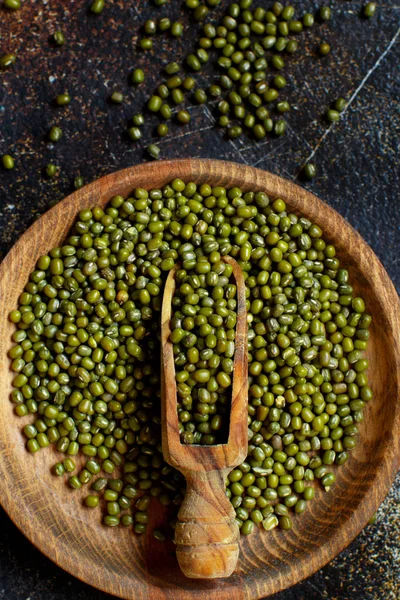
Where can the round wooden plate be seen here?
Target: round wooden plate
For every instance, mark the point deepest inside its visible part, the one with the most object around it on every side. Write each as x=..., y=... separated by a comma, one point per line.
x=140, y=568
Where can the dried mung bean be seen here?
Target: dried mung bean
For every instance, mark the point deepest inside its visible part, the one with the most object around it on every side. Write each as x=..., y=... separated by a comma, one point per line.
x=91, y=377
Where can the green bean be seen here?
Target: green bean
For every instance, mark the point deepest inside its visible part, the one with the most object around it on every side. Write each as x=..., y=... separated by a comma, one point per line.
x=117, y=97
x=138, y=120
x=8, y=162
x=58, y=38
x=324, y=48
x=97, y=6
x=138, y=76
x=154, y=104
x=369, y=9
x=12, y=4
x=340, y=104
x=164, y=24
x=7, y=60
x=325, y=13
x=111, y=521
x=79, y=182
x=55, y=134
x=92, y=501
x=134, y=133
x=154, y=151
x=176, y=29
x=51, y=170
x=183, y=117
x=162, y=130
x=200, y=96
x=145, y=43
x=309, y=171
x=63, y=99
x=280, y=127
x=308, y=20
x=332, y=115
x=150, y=27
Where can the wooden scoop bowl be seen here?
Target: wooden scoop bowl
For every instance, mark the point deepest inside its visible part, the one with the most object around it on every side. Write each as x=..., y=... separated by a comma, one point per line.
x=138, y=567
x=206, y=535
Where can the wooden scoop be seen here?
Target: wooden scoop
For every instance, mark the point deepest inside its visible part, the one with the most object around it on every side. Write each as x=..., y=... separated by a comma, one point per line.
x=206, y=535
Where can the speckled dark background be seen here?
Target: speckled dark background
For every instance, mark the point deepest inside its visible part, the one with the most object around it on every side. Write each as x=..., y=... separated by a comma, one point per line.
x=358, y=174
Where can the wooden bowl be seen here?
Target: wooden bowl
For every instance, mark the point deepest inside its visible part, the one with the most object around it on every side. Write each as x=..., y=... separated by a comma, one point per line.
x=140, y=568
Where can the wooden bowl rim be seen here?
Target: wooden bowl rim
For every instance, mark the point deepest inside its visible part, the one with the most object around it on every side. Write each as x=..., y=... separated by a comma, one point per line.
x=311, y=206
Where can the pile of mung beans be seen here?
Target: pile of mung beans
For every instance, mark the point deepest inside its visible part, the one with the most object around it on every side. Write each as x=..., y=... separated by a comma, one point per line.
x=203, y=337
x=248, y=49
x=87, y=348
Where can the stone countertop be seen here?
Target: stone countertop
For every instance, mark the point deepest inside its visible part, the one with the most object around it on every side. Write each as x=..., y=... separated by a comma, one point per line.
x=358, y=174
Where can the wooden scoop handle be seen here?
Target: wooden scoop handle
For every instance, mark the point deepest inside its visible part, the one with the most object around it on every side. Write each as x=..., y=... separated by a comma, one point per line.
x=207, y=535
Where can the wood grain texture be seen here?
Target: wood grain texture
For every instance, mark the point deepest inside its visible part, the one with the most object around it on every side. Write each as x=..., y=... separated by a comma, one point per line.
x=207, y=535
x=139, y=568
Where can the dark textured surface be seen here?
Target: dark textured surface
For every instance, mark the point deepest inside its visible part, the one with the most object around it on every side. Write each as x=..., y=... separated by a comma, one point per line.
x=358, y=173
